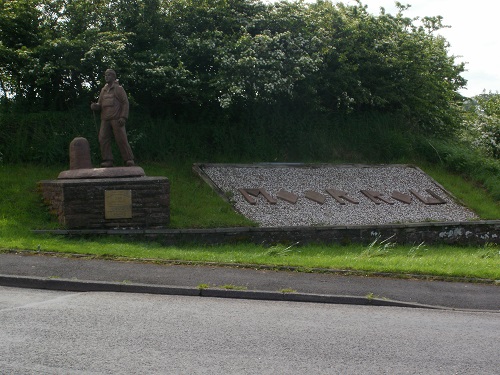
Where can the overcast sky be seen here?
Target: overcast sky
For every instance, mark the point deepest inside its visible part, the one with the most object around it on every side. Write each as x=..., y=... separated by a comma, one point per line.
x=473, y=35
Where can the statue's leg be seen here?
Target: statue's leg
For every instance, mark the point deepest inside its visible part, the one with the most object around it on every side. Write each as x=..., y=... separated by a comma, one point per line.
x=122, y=142
x=105, y=138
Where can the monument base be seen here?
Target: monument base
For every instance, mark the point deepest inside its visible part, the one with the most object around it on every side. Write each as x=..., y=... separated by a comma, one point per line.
x=106, y=203
x=114, y=172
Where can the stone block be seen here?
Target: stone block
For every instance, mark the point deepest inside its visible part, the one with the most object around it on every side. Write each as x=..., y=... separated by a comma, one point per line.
x=82, y=203
x=315, y=196
x=287, y=196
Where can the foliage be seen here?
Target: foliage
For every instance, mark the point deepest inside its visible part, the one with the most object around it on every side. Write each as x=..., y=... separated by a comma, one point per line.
x=182, y=56
x=44, y=137
x=481, y=126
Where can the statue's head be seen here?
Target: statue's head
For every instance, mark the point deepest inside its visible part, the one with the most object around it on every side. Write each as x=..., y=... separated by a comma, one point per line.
x=110, y=75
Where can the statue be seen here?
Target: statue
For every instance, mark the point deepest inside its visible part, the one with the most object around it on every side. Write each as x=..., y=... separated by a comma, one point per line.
x=113, y=104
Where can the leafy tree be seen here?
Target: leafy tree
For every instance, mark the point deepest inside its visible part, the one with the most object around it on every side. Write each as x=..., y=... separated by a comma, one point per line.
x=223, y=55
x=19, y=32
x=482, y=123
x=389, y=63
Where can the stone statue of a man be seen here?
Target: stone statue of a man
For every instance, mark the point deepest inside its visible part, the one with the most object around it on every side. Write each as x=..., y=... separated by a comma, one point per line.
x=113, y=104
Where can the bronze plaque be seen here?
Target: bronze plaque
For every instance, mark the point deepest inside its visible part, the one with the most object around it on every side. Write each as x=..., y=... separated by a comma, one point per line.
x=118, y=204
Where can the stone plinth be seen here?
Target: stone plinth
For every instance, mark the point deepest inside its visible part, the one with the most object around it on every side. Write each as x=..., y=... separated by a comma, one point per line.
x=93, y=203
x=116, y=172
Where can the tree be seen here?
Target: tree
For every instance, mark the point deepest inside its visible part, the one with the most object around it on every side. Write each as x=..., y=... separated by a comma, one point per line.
x=19, y=33
x=482, y=123
x=388, y=63
x=225, y=54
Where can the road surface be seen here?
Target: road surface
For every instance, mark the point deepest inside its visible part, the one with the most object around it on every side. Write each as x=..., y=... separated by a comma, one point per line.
x=54, y=332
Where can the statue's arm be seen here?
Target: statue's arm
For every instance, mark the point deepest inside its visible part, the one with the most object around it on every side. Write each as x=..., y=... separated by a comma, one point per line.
x=121, y=95
x=96, y=106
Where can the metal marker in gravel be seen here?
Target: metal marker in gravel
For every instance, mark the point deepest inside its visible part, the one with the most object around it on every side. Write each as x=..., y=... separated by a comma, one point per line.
x=302, y=179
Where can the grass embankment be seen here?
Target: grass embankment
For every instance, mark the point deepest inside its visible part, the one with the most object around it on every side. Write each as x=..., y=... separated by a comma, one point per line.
x=194, y=204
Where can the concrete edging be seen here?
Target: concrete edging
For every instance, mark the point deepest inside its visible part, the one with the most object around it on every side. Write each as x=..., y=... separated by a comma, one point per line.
x=103, y=286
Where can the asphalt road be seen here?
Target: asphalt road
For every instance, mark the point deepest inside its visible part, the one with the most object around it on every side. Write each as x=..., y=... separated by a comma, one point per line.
x=57, y=332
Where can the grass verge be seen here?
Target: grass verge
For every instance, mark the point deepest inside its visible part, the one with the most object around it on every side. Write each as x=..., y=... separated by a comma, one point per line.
x=438, y=261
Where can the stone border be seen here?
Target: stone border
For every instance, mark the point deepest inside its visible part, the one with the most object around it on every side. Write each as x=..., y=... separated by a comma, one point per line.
x=462, y=233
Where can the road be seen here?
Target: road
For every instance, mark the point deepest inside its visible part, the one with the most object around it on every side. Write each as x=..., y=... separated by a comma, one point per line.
x=54, y=332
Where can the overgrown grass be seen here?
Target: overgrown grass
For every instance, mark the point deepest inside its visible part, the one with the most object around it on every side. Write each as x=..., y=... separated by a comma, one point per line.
x=263, y=133
x=445, y=261
x=459, y=158
x=471, y=193
x=194, y=204
x=277, y=133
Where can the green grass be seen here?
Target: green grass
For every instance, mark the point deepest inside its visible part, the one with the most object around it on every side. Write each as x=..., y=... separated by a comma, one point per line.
x=467, y=192
x=194, y=204
x=444, y=261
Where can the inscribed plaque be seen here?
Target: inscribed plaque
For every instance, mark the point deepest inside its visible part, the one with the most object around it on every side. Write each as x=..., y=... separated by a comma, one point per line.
x=118, y=204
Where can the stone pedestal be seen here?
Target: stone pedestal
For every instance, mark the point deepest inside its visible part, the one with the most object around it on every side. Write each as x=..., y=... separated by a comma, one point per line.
x=106, y=203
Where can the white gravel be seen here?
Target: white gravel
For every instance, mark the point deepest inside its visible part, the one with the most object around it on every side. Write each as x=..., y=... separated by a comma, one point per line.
x=352, y=179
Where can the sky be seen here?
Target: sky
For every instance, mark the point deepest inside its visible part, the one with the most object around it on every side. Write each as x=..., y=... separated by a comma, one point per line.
x=473, y=35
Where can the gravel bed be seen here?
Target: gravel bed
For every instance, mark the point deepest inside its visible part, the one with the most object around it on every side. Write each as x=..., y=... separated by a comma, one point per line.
x=352, y=179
